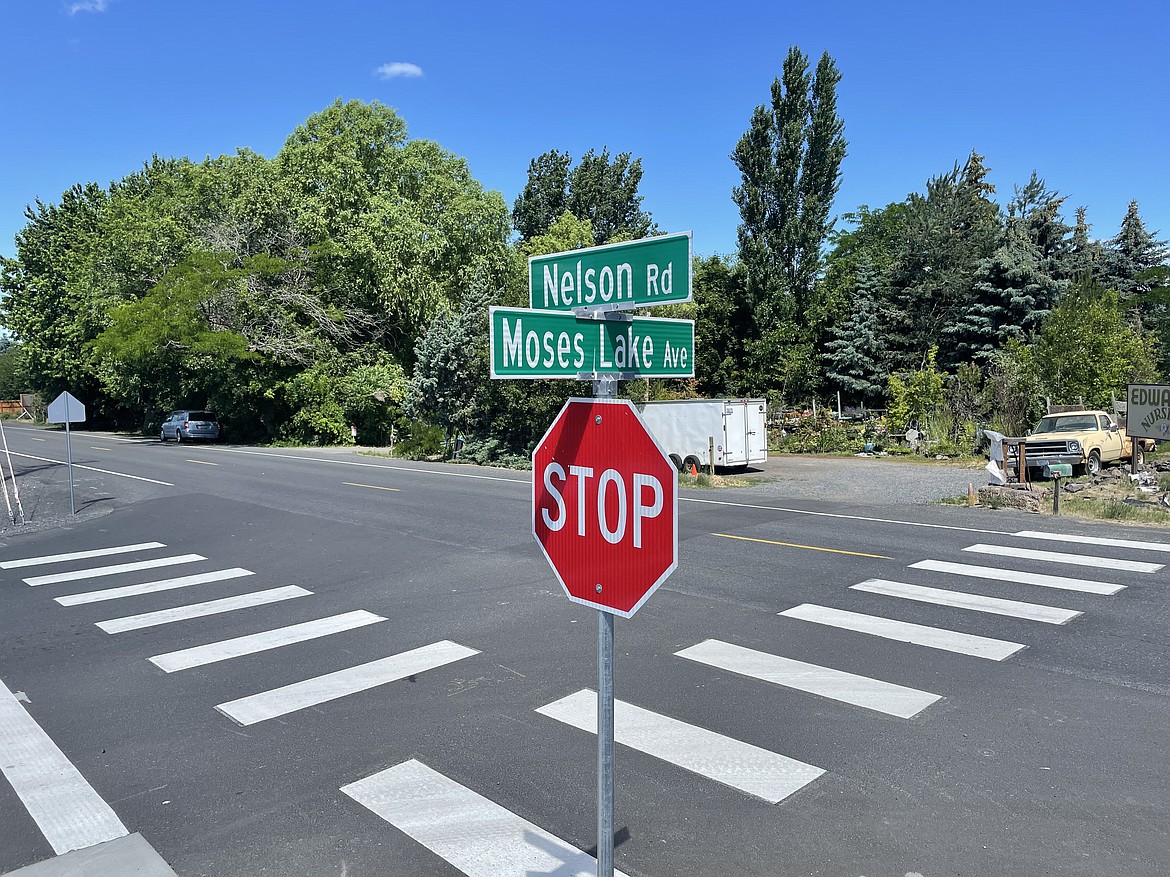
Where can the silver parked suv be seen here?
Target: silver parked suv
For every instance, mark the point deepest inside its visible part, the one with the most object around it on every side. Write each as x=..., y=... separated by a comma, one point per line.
x=186, y=426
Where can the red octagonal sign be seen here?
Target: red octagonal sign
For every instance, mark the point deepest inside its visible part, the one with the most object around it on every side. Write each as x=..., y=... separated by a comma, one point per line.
x=605, y=505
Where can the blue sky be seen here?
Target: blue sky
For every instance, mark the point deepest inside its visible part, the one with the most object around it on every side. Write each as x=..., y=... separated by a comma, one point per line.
x=1077, y=91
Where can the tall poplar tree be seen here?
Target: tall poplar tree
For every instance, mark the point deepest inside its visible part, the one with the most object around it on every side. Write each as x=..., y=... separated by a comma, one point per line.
x=790, y=163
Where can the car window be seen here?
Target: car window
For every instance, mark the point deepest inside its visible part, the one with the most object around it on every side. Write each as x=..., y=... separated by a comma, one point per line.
x=201, y=415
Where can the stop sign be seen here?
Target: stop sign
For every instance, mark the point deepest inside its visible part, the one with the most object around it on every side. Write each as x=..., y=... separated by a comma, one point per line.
x=605, y=505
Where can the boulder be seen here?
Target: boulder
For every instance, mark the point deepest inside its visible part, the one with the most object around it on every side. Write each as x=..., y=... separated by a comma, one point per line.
x=1009, y=498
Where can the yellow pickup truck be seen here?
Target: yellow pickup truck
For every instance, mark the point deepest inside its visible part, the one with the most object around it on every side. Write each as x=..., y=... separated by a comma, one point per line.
x=1086, y=439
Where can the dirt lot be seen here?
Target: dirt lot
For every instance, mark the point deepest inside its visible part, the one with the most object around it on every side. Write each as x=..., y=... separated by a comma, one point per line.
x=867, y=480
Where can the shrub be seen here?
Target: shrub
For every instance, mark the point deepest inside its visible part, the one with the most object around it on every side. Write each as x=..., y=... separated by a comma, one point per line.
x=422, y=440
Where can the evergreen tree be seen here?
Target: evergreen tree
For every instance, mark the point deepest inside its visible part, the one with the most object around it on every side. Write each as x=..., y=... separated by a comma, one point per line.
x=1085, y=255
x=949, y=232
x=1016, y=287
x=1132, y=252
x=854, y=358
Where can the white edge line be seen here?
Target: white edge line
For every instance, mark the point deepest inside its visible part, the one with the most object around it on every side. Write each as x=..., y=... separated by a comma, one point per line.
x=772, y=508
x=94, y=469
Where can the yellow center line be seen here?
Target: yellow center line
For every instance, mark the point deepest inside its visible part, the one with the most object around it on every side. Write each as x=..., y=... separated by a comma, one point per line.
x=371, y=486
x=809, y=547
x=203, y=463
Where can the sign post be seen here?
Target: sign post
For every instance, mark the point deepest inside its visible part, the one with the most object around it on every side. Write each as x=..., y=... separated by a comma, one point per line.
x=605, y=514
x=604, y=492
x=67, y=409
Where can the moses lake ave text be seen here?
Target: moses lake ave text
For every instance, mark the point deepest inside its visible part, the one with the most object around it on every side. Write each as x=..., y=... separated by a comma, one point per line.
x=620, y=346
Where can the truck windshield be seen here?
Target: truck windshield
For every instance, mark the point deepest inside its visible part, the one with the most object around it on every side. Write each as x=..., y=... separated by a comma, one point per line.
x=1077, y=422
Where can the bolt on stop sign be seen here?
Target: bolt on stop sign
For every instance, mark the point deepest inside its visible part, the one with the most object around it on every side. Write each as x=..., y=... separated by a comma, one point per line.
x=605, y=505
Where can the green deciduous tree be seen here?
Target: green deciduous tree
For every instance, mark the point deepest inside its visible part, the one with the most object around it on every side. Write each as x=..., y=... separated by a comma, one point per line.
x=723, y=324
x=789, y=161
x=1086, y=349
x=545, y=195
x=601, y=189
x=396, y=227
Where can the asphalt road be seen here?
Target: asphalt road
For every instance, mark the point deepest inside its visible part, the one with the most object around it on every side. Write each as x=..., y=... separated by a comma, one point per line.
x=1045, y=759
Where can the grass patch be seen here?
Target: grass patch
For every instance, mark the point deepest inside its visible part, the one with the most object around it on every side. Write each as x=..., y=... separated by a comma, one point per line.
x=1114, y=509
x=704, y=481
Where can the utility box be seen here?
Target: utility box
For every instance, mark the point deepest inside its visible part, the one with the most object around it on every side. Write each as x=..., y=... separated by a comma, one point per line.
x=687, y=429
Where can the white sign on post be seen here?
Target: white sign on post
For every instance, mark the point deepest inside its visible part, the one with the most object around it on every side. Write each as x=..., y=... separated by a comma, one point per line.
x=67, y=409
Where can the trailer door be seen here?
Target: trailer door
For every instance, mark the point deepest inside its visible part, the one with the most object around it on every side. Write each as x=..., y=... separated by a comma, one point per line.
x=756, y=415
x=734, y=434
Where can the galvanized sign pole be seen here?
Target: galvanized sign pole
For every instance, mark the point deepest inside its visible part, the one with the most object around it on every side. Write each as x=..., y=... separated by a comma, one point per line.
x=605, y=388
x=66, y=409
x=604, y=744
x=579, y=328
x=69, y=457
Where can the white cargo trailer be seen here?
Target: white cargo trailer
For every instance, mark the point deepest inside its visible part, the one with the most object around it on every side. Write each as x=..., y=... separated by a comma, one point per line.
x=690, y=430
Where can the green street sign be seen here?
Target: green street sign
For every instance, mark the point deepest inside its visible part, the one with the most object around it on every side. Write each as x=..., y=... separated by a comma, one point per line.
x=613, y=277
x=554, y=344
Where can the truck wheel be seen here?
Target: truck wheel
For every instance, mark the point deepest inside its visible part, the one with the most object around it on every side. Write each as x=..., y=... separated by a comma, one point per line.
x=1141, y=455
x=1093, y=464
x=677, y=460
x=689, y=462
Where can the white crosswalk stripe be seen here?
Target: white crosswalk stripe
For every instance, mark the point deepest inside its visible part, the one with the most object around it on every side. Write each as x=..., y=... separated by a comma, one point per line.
x=239, y=646
x=200, y=610
x=202, y=578
x=67, y=810
x=976, y=602
x=99, y=571
x=79, y=555
x=862, y=691
x=1095, y=540
x=473, y=834
x=321, y=689
x=1063, y=583
x=725, y=760
x=1059, y=557
x=904, y=631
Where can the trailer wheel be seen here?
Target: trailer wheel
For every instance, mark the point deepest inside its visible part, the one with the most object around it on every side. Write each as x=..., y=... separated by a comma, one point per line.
x=689, y=462
x=677, y=460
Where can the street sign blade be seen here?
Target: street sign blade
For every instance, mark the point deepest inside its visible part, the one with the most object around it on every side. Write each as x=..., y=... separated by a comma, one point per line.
x=613, y=277
x=554, y=344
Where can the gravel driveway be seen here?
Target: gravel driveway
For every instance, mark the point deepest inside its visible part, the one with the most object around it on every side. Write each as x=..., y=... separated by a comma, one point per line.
x=867, y=480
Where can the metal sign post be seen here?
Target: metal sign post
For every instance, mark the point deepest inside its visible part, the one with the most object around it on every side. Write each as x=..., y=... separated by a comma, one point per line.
x=69, y=458
x=604, y=743
x=605, y=388
x=584, y=333
x=67, y=409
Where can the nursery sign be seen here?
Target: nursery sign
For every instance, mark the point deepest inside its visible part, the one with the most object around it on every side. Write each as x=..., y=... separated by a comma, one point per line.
x=1148, y=411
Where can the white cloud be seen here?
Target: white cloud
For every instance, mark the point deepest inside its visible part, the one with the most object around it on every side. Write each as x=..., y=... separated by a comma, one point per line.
x=88, y=6
x=392, y=70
